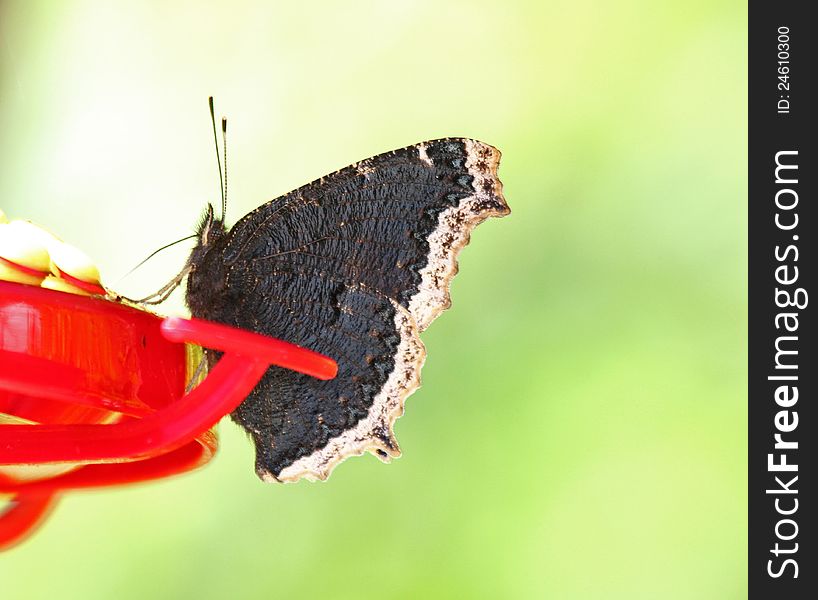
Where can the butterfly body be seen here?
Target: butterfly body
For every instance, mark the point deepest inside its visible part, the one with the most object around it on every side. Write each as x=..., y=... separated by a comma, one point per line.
x=353, y=265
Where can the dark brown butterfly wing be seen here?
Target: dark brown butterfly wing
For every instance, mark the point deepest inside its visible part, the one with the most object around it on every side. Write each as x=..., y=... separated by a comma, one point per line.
x=353, y=265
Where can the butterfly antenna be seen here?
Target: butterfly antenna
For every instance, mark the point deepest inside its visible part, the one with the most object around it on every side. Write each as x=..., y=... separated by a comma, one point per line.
x=224, y=189
x=216, y=143
x=155, y=252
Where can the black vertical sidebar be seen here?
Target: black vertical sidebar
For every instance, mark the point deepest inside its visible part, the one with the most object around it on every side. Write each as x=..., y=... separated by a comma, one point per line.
x=783, y=372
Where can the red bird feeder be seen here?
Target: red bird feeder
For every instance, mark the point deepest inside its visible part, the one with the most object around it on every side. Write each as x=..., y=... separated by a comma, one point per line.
x=92, y=394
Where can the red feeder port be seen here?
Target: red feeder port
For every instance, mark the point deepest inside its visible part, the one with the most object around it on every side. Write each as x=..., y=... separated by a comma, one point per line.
x=92, y=394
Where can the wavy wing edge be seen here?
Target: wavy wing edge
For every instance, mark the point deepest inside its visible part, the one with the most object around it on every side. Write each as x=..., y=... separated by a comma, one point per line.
x=375, y=433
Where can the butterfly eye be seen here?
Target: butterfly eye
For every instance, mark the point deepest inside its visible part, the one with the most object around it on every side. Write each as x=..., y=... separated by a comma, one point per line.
x=205, y=226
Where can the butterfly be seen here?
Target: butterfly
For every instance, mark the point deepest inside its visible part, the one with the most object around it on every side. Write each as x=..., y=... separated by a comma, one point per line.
x=353, y=265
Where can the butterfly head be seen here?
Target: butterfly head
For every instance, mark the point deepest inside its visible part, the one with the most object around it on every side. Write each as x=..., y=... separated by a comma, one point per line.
x=205, y=277
x=210, y=228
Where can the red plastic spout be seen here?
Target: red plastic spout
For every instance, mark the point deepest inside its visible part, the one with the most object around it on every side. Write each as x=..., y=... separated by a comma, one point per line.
x=150, y=439
x=246, y=358
x=249, y=345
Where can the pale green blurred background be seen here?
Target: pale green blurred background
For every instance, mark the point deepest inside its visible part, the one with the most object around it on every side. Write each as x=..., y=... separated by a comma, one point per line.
x=581, y=428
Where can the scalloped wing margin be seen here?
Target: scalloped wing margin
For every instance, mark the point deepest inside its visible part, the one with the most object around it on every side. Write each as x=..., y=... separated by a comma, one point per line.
x=375, y=433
